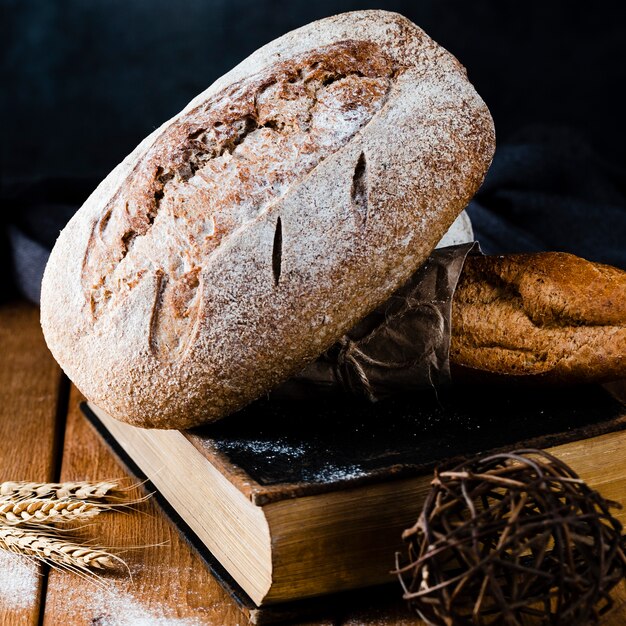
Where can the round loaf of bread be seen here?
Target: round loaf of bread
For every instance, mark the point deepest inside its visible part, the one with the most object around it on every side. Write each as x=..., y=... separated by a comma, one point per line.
x=248, y=233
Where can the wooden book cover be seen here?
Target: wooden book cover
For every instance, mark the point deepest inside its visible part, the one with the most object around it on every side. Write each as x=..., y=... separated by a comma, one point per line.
x=289, y=501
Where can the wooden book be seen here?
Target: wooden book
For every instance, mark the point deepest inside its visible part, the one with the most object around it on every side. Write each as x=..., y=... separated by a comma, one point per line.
x=301, y=500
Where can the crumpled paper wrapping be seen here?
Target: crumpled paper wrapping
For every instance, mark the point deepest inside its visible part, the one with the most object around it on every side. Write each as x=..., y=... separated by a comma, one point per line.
x=402, y=346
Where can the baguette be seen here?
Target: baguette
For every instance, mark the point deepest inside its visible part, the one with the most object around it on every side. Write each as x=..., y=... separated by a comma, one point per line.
x=246, y=235
x=548, y=316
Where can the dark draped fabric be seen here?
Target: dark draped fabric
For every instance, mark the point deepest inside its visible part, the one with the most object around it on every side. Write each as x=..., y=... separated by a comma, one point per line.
x=548, y=190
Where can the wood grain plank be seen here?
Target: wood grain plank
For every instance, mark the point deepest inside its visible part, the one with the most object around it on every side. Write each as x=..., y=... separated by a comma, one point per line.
x=30, y=384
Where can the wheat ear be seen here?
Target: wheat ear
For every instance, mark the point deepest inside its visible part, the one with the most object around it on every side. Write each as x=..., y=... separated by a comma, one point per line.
x=56, y=551
x=105, y=490
x=45, y=511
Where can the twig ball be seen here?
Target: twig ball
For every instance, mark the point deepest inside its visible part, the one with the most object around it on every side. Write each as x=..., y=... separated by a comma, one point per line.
x=509, y=537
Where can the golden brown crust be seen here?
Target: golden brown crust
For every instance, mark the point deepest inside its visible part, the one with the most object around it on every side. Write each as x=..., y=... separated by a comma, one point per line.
x=219, y=167
x=551, y=315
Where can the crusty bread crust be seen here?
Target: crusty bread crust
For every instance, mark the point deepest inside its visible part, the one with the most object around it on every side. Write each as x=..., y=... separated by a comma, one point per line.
x=550, y=316
x=248, y=233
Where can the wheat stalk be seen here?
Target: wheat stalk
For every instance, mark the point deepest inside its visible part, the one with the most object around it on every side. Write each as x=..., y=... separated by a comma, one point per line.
x=56, y=551
x=28, y=511
x=83, y=490
x=46, y=511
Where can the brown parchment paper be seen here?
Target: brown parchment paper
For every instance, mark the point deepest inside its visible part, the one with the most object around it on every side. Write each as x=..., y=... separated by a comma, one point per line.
x=401, y=346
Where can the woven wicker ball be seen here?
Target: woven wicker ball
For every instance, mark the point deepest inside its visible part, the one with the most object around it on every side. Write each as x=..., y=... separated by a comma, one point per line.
x=512, y=539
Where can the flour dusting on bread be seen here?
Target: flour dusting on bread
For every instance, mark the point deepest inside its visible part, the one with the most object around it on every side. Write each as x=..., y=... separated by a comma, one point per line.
x=247, y=234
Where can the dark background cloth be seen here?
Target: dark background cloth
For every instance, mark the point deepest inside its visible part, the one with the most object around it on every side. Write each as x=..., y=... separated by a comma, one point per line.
x=84, y=82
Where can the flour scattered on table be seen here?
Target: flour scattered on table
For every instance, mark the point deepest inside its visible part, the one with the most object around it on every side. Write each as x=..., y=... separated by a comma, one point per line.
x=115, y=607
x=19, y=578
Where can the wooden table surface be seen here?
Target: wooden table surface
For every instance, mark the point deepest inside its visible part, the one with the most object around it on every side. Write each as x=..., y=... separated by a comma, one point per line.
x=44, y=437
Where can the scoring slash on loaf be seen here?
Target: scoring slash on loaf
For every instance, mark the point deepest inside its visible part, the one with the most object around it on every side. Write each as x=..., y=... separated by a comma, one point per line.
x=248, y=233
